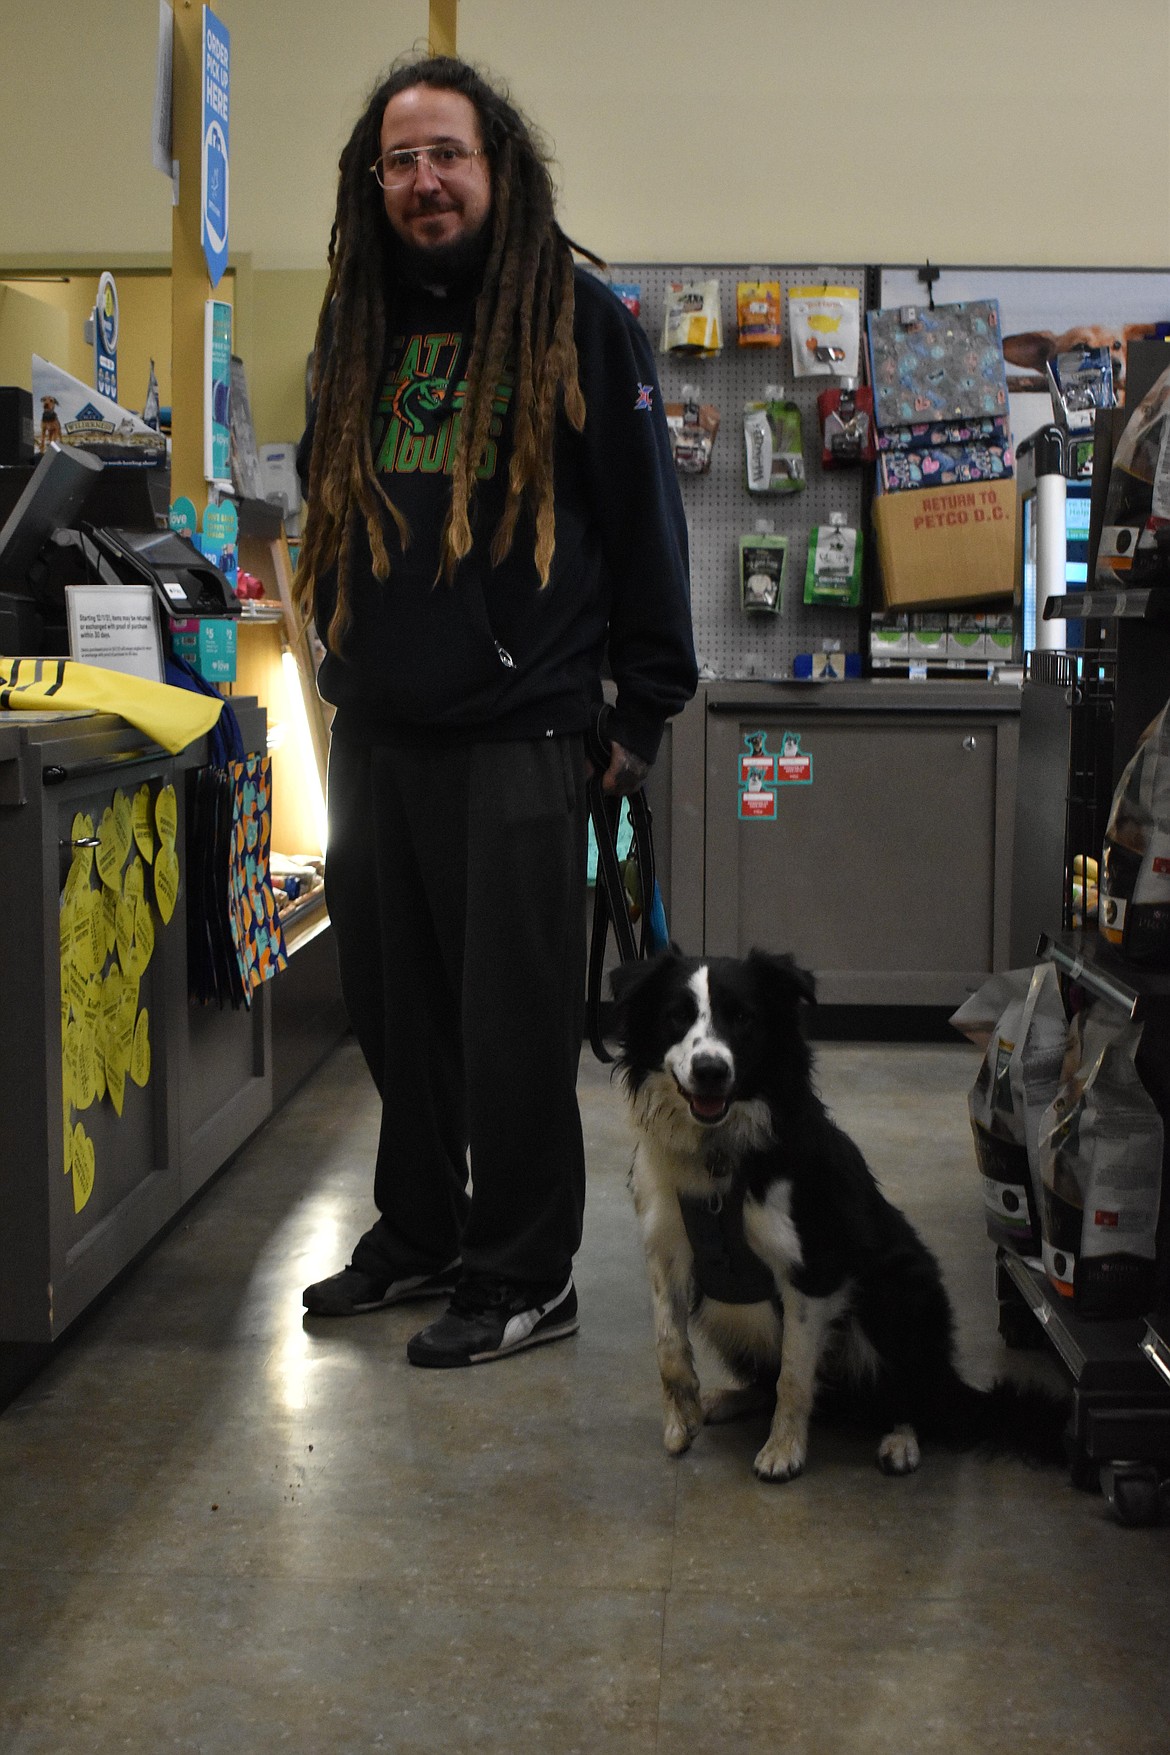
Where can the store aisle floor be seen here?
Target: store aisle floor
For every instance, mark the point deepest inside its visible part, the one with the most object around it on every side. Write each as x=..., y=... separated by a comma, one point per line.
x=223, y=1528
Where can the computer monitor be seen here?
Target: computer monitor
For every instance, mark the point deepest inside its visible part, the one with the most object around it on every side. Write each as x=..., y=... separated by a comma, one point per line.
x=54, y=497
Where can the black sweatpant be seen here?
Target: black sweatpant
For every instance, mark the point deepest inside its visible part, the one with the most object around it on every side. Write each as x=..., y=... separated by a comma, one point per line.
x=455, y=879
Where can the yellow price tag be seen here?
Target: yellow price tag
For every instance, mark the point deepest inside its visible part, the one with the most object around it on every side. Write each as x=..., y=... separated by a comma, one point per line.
x=143, y=934
x=166, y=816
x=123, y=822
x=166, y=882
x=109, y=858
x=83, y=1167
x=140, y=1052
x=125, y=935
x=141, y=819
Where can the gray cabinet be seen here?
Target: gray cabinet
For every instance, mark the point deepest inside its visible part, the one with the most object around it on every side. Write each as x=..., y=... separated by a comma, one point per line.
x=206, y=1086
x=878, y=845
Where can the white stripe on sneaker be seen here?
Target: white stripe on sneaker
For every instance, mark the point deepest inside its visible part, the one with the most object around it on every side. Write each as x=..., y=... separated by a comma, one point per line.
x=518, y=1328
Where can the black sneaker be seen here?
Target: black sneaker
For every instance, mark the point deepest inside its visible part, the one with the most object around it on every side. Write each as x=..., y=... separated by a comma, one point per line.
x=352, y=1292
x=490, y=1318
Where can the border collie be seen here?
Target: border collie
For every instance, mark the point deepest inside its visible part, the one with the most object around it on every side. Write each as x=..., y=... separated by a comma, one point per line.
x=761, y=1217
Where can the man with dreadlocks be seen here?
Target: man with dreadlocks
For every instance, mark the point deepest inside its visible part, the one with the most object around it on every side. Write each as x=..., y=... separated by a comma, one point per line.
x=491, y=509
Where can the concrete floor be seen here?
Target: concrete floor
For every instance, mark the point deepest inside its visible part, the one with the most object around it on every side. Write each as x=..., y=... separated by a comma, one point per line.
x=223, y=1528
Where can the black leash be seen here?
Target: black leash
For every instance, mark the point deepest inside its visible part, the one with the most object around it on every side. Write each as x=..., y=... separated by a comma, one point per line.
x=610, y=900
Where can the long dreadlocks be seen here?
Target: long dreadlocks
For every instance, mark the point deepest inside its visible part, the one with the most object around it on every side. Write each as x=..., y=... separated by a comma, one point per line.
x=523, y=322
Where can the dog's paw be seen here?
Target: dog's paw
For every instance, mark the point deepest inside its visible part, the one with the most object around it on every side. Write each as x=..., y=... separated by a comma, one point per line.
x=780, y=1460
x=898, y=1452
x=682, y=1418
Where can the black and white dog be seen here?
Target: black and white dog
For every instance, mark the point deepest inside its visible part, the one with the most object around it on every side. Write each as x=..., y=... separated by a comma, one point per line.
x=762, y=1218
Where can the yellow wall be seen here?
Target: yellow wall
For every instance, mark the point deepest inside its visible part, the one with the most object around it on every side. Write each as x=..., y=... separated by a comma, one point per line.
x=28, y=325
x=684, y=131
x=999, y=131
x=285, y=303
x=144, y=331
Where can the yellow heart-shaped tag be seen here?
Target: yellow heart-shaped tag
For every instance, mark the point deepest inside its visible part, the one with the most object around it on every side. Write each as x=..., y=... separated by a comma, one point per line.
x=83, y=1167
x=109, y=859
x=140, y=1053
x=166, y=816
x=166, y=882
x=143, y=934
x=142, y=825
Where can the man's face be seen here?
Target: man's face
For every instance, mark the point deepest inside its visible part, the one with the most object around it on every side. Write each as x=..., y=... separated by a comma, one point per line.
x=428, y=212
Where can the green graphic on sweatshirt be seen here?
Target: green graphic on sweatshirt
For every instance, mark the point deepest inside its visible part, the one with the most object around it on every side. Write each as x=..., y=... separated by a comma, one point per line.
x=407, y=437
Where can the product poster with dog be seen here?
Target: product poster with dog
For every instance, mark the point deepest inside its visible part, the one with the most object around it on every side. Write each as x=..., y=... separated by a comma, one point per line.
x=1045, y=313
x=71, y=412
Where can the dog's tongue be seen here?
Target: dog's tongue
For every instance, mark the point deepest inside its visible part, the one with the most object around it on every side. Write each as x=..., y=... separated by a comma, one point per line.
x=708, y=1108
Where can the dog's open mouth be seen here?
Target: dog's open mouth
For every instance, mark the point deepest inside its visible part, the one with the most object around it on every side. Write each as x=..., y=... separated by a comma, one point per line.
x=707, y=1110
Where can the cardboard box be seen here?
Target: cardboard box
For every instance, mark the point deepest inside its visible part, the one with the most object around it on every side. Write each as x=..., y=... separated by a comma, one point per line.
x=946, y=545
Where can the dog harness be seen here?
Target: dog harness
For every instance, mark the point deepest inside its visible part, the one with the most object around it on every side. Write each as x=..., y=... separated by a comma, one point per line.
x=726, y=1268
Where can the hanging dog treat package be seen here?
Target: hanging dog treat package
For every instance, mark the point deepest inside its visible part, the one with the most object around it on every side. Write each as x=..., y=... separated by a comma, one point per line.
x=630, y=294
x=691, y=322
x=1133, y=898
x=832, y=572
x=761, y=569
x=1100, y=1150
x=773, y=444
x=847, y=431
x=824, y=327
x=757, y=310
x=693, y=426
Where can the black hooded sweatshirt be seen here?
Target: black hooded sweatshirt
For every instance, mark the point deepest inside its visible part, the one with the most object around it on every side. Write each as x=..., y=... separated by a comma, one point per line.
x=492, y=655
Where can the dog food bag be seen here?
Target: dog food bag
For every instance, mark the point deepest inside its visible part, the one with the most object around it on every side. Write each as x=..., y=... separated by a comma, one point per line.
x=1037, y=1063
x=1017, y=1078
x=977, y=1017
x=693, y=426
x=1100, y=1146
x=757, y=309
x=773, y=444
x=1133, y=896
x=824, y=327
x=691, y=321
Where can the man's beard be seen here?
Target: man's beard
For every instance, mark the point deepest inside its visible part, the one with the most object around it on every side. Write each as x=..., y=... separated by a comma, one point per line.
x=460, y=261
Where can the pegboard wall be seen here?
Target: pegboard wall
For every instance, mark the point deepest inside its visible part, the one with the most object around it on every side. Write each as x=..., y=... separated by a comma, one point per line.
x=729, y=641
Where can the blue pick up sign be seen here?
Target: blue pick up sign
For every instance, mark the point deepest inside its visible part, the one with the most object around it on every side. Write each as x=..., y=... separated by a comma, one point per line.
x=215, y=135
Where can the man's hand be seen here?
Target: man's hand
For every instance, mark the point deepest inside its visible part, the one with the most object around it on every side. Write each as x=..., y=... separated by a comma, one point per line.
x=625, y=773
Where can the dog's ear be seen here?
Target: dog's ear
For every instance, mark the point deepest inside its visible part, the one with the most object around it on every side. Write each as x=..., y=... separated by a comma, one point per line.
x=1031, y=349
x=783, y=976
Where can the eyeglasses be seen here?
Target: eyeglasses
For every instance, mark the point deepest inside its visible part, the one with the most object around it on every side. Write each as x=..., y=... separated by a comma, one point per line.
x=447, y=159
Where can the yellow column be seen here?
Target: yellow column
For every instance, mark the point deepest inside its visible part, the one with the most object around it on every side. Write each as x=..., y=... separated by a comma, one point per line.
x=190, y=286
x=441, y=33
